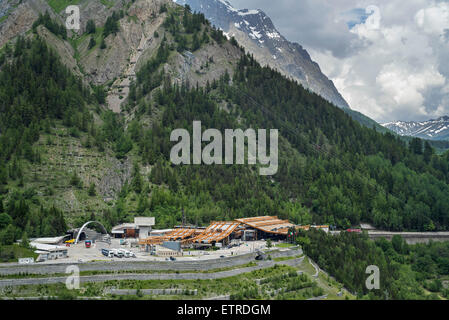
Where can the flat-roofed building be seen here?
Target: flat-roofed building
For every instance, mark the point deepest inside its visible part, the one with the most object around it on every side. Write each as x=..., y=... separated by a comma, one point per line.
x=366, y=226
x=124, y=230
x=48, y=251
x=141, y=228
x=325, y=228
x=166, y=252
x=49, y=240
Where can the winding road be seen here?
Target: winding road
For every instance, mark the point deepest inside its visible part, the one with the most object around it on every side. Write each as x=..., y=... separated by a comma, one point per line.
x=151, y=276
x=53, y=273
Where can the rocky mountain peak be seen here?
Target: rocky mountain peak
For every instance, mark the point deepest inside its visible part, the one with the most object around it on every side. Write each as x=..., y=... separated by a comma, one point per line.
x=434, y=129
x=256, y=32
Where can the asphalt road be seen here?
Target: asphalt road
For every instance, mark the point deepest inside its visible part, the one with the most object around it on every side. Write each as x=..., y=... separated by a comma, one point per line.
x=152, y=276
x=205, y=265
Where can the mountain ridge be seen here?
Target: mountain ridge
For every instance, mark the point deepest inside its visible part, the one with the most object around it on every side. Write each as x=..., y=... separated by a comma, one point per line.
x=433, y=129
x=331, y=170
x=256, y=32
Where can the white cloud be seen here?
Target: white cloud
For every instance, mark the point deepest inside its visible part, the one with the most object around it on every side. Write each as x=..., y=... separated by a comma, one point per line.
x=407, y=88
x=434, y=19
x=398, y=71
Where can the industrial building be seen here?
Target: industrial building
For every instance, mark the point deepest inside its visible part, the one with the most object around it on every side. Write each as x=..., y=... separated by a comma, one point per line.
x=222, y=233
x=48, y=251
x=163, y=251
x=141, y=228
x=266, y=227
x=49, y=240
x=325, y=228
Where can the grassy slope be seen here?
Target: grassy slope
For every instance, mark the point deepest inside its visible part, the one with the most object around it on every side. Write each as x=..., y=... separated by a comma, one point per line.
x=59, y=5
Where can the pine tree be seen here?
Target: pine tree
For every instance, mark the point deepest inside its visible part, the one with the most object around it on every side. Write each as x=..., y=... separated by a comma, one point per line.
x=136, y=182
x=76, y=181
x=428, y=152
x=90, y=27
x=195, y=42
x=25, y=242
x=92, y=192
x=92, y=43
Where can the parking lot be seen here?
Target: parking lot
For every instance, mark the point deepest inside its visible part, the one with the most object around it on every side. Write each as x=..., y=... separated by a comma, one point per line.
x=79, y=253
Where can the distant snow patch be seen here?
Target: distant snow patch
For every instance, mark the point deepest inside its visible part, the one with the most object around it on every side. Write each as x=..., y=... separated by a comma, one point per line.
x=246, y=12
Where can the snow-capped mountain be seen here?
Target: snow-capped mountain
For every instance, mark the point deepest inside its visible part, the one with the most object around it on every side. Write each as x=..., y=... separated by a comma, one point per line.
x=437, y=129
x=255, y=31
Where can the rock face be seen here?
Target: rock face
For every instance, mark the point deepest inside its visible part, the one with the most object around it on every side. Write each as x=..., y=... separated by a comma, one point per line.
x=16, y=20
x=437, y=129
x=255, y=31
x=63, y=48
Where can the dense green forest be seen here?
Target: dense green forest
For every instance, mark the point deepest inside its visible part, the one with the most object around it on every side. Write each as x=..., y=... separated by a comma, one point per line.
x=332, y=170
x=35, y=89
x=406, y=271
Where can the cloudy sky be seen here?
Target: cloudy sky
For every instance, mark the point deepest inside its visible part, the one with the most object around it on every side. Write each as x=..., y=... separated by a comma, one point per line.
x=388, y=58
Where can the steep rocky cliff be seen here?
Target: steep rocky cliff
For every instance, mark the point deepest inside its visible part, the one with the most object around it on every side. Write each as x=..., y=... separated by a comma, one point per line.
x=256, y=32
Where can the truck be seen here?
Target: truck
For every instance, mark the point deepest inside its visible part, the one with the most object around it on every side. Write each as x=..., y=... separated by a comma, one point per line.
x=88, y=243
x=107, y=252
x=123, y=253
x=118, y=253
x=129, y=254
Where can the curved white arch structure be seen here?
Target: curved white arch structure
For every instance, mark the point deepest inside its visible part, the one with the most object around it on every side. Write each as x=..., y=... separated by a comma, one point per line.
x=85, y=225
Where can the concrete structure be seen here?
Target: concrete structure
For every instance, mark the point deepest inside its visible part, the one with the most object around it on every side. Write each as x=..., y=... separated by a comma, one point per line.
x=144, y=224
x=366, y=226
x=172, y=245
x=51, y=240
x=124, y=230
x=81, y=230
x=325, y=228
x=141, y=228
x=249, y=235
x=162, y=251
x=411, y=237
x=48, y=251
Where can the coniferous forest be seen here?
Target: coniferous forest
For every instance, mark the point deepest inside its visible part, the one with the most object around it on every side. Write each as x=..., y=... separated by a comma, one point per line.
x=332, y=170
